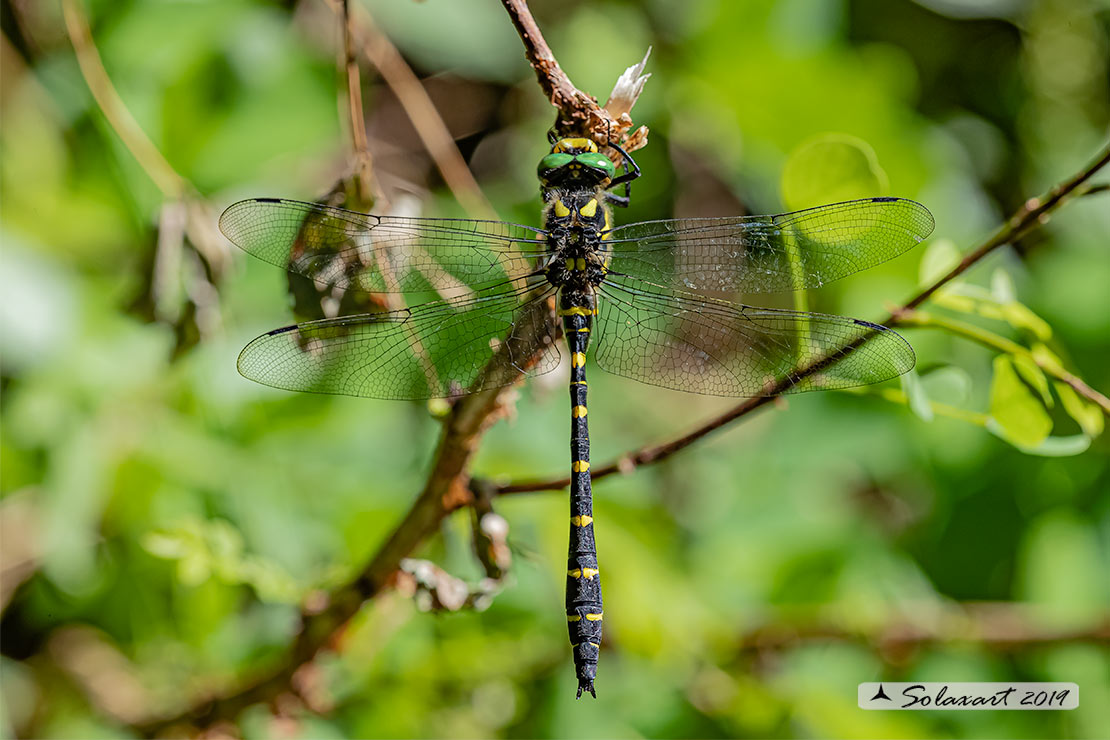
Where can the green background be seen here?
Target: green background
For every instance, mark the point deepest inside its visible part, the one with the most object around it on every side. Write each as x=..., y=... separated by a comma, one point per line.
x=163, y=517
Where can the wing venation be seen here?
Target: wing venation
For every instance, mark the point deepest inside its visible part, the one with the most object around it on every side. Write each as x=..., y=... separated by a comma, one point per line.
x=766, y=254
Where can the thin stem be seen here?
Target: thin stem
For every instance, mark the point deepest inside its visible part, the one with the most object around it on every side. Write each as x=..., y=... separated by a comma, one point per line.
x=991, y=340
x=422, y=113
x=446, y=489
x=629, y=461
x=363, y=161
x=978, y=418
x=111, y=104
x=995, y=626
x=1033, y=213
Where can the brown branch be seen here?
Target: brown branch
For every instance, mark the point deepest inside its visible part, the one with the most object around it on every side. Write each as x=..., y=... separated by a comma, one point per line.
x=448, y=484
x=363, y=162
x=996, y=626
x=578, y=113
x=1034, y=212
x=1093, y=189
x=1080, y=386
x=447, y=489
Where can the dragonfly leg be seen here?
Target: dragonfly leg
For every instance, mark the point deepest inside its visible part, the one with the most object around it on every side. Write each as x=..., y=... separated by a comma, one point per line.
x=631, y=172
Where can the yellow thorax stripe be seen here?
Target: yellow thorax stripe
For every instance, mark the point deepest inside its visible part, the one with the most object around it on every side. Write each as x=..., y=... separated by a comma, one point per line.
x=590, y=209
x=580, y=263
x=575, y=143
x=561, y=210
x=581, y=521
x=580, y=466
x=578, y=412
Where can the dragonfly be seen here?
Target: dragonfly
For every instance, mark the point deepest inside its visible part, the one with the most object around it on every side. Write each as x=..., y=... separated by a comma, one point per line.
x=491, y=298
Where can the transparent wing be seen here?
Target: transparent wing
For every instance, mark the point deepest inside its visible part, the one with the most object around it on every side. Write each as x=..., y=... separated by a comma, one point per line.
x=689, y=343
x=765, y=254
x=432, y=350
x=382, y=254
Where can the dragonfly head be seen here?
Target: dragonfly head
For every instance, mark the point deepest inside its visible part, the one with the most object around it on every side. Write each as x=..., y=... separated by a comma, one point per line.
x=575, y=162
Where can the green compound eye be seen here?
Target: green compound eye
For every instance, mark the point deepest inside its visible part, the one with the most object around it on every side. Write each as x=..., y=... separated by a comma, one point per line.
x=553, y=162
x=597, y=162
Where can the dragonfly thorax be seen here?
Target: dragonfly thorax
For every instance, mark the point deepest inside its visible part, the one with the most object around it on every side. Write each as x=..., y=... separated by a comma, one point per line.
x=576, y=221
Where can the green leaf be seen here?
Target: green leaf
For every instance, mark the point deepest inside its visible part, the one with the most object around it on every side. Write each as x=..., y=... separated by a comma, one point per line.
x=916, y=396
x=1034, y=376
x=986, y=303
x=1086, y=414
x=831, y=168
x=953, y=300
x=1002, y=286
x=948, y=384
x=163, y=545
x=1019, y=414
x=1046, y=358
x=207, y=548
x=1019, y=316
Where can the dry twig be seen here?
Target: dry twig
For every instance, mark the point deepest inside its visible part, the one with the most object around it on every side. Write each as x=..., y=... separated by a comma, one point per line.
x=190, y=220
x=363, y=162
x=578, y=114
x=1001, y=627
x=420, y=109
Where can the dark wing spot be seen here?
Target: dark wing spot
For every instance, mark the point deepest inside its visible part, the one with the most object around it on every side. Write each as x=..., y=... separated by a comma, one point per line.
x=883, y=200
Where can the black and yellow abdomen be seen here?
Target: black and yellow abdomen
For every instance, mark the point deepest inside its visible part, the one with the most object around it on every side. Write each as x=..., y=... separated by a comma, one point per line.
x=576, y=219
x=584, y=611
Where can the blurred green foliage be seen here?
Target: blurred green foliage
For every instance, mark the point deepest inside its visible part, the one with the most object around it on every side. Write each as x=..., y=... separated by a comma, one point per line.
x=163, y=518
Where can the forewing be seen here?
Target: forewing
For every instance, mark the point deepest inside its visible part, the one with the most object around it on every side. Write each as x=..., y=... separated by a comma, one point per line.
x=764, y=254
x=382, y=254
x=432, y=350
x=690, y=343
